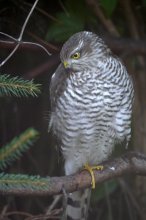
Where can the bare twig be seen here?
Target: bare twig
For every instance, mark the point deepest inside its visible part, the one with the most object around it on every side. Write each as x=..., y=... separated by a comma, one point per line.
x=26, y=44
x=108, y=24
x=9, y=36
x=10, y=55
x=45, y=67
x=117, y=45
x=129, y=45
x=38, y=45
x=64, y=8
x=43, y=12
x=132, y=25
x=42, y=42
x=20, y=35
x=131, y=19
x=53, y=204
x=26, y=21
x=46, y=44
x=130, y=163
x=18, y=213
x=131, y=196
x=46, y=217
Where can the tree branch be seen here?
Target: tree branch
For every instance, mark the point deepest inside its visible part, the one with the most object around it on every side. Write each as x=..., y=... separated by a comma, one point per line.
x=20, y=35
x=130, y=163
x=117, y=44
x=44, y=67
x=107, y=23
x=130, y=18
x=128, y=45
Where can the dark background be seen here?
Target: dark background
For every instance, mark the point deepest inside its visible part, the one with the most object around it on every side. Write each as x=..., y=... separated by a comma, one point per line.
x=122, y=24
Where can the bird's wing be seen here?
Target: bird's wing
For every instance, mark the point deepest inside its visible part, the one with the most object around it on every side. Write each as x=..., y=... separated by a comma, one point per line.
x=57, y=85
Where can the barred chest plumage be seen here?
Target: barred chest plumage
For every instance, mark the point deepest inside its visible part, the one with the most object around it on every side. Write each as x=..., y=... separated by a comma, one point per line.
x=89, y=115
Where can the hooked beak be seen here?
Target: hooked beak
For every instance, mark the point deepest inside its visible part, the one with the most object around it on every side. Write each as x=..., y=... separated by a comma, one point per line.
x=65, y=63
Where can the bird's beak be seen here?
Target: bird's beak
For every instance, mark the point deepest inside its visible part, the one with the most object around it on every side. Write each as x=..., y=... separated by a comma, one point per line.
x=65, y=63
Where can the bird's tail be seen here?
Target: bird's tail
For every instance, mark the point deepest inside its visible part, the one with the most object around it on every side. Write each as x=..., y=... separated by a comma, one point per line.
x=77, y=205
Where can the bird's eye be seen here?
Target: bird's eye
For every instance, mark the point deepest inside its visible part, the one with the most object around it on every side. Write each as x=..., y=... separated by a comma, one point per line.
x=76, y=56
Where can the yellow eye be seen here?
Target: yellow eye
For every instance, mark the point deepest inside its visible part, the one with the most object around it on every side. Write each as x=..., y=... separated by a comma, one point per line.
x=76, y=56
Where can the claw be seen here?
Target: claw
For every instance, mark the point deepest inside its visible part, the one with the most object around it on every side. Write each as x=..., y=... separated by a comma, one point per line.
x=90, y=169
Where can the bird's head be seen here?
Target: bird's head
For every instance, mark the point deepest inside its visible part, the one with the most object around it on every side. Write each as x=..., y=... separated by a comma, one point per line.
x=82, y=50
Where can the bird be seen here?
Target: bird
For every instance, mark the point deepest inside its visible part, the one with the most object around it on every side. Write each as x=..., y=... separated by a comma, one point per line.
x=91, y=97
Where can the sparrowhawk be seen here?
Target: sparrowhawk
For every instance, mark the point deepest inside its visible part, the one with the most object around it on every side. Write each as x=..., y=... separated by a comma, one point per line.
x=91, y=100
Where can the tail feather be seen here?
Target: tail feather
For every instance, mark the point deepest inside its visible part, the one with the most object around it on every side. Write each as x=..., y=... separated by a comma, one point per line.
x=77, y=205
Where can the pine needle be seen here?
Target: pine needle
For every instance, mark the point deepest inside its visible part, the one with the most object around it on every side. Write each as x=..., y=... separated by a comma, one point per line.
x=16, y=86
x=21, y=182
x=16, y=147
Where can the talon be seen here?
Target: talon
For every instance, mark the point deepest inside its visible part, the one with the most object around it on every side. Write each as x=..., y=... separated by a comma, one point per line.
x=90, y=169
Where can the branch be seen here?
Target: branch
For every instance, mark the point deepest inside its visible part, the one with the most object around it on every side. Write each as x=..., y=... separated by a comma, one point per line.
x=107, y=23
x=128, y=45
x=117, y=44
x=133, y=26
x=130, y=163
x=27, y=45
x=44, y=67
x=43, y=12
x=20, y=35
x=130, y=18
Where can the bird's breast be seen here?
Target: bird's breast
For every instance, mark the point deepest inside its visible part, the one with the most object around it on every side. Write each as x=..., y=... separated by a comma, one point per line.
x=80, y=112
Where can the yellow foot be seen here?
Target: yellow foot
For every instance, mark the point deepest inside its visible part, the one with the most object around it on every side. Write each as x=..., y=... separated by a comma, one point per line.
x=90, y=169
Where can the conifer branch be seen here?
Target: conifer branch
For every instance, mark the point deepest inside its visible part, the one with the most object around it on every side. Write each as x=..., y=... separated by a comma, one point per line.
x=17, y=86
x=16, y=147
x=130, y=163
x=22, y=182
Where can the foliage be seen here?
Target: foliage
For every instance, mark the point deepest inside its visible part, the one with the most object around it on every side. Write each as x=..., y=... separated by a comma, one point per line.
x=21, y=182
x=144, y=2
x=101, y=190
x=17, y=146
x=17, y=86
x=72, y=20
x=75, y=18
x=109, y=6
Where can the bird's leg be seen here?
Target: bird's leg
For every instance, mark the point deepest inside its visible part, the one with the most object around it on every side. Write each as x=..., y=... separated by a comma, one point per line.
x=90, y=169
x=65, y=197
